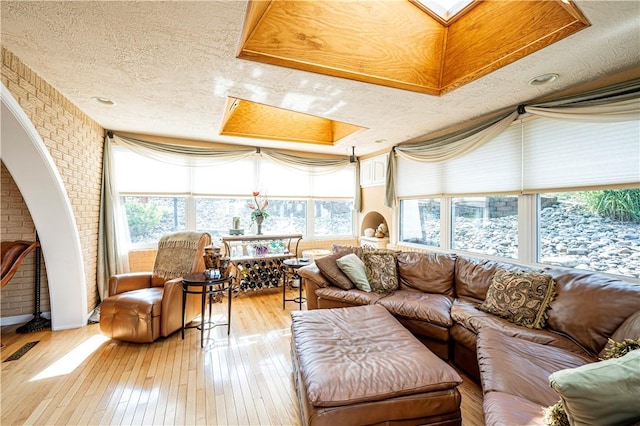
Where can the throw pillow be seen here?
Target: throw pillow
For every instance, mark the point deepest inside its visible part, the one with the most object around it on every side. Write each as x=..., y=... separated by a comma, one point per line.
x=602, y=393
x=354, y=268
x=381, y=271
x=617, y=349
x=555, y=415
x=328, y=266
x=520, y=297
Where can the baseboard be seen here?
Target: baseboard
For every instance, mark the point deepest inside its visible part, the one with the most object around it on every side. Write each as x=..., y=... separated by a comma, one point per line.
x=19, y=319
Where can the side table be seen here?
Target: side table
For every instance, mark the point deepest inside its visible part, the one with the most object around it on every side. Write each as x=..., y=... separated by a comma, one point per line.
x=208, y=288
x=292, y=266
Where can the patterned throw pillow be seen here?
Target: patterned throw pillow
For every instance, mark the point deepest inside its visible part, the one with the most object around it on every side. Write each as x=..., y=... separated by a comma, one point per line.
x=520, y=297
x=381, y=267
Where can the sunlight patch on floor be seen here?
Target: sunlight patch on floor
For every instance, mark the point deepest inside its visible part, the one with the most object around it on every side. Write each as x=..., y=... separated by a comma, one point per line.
x=72, y=359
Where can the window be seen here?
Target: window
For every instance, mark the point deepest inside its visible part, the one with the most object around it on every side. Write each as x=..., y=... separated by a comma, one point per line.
x=594, y=230
x=420, y=221
x=286, y=217
x=333, y=218
x=148, y=218
x=161, y=197
x=215, y=215
x=487, y=225
x=529, y=164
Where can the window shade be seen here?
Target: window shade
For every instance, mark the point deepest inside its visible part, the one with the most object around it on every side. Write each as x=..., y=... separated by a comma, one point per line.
x=234, y=178
x=135, y=173
x=277, y=180
x=142, y=175
x=533, y=156
x=494, y=167
x=568, y=155
x=414, y=178
x=340, y=183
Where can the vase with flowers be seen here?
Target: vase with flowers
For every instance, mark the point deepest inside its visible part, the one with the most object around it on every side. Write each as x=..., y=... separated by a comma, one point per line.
x=259, y=210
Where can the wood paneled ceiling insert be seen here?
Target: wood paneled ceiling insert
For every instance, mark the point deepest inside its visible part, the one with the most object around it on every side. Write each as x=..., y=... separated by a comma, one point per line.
x=397, y=43
x=253, y=120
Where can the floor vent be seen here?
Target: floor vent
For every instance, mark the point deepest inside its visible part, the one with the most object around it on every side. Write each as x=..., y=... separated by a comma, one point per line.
x=23, y=350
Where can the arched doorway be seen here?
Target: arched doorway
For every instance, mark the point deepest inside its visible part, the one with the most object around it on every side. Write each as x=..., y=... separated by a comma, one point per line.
x=31, y=166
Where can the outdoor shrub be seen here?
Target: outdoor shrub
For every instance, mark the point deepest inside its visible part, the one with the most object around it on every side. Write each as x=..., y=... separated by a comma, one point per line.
x=142, y=218
x=620, y=205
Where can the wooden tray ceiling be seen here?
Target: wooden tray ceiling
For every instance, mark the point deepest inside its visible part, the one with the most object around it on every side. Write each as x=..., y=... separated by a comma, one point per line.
x=253, y=120
x=396, y=44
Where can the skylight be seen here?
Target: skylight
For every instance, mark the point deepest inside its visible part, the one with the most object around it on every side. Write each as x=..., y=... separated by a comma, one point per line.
x=445, y=9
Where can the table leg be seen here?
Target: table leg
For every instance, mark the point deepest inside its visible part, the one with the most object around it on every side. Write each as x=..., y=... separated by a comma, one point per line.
x=202, y=311
x=299, y=291
x=229, y=311
x=284, y=287
x=184, y=304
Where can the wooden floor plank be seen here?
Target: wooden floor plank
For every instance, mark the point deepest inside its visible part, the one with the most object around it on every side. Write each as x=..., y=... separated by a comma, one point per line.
x=241, y=379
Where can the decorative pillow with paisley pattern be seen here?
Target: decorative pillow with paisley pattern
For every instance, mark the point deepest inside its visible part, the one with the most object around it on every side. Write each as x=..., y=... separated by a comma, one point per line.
x=520, y=297
x=382, y=271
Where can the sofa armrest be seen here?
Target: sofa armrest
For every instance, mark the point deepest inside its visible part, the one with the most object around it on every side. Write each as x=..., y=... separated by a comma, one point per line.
x=127, y=282
x=312, y=279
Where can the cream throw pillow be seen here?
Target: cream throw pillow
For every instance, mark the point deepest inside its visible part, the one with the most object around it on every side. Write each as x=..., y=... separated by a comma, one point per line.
x=601, y=393
x=353, y=267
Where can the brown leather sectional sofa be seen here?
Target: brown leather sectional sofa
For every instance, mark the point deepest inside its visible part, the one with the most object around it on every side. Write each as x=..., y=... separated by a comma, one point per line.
x=437, y=301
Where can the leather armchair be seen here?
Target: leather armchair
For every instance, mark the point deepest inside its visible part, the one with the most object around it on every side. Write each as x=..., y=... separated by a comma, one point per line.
x=145, y=306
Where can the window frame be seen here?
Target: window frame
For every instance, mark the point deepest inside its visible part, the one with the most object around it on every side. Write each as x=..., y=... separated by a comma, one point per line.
x=190, y=215
x=528, y=235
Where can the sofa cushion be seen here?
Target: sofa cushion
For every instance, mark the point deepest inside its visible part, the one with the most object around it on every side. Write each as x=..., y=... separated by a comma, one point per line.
x=353, y=296
x=502, y=409
x=465, y=313
x=473, y=276
x=603, y=393
x=353, y=267
x=433, y=308
x=590, y=307
x=329, y=268
x=381, y=270
x=343, y=250
x=630, y=329
x=519, y=297
x=427, y=272
x=521, y=367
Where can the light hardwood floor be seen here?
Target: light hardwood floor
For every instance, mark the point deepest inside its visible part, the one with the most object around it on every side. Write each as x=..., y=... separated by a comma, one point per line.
x=78, y=377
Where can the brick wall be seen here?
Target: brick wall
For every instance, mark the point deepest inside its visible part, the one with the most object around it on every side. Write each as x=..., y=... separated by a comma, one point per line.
x=75, y=142
x=17, y=298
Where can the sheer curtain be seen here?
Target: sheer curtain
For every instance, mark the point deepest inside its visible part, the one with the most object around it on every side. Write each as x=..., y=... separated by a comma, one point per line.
x=112, y=255
x=616, y=103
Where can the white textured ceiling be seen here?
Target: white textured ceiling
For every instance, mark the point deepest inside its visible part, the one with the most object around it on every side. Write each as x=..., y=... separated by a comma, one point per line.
x=170, y=66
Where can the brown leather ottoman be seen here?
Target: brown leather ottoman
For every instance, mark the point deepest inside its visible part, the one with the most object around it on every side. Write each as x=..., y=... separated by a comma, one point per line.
x=359, y=366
